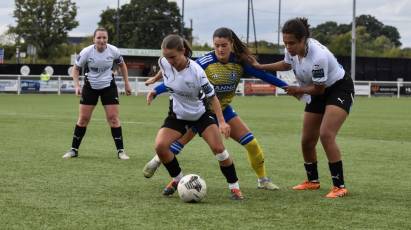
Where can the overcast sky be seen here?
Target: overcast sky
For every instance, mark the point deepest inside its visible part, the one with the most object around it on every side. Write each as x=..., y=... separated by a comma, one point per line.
x=207, y=15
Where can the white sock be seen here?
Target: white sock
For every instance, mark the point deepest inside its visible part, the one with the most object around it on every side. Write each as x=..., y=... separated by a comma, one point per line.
x=234, y=185
x=178, y=177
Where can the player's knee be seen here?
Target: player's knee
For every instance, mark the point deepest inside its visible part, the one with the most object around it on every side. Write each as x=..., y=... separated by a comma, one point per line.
x=217, y=149
x=308, y=144
x=161, y=148
x=113, y=120
x=83, y=121
x=327, y=136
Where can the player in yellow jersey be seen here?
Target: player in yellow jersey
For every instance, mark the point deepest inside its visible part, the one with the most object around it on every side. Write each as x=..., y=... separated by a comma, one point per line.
x=224, y=67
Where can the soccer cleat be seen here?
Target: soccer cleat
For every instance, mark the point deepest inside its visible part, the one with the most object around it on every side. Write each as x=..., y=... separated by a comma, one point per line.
x=170, y=188
x=150, y=168
x=307, y=185
x=267, y=184
x=337, y=192
x=236, y=194
x=70, y=154
x=121, y=154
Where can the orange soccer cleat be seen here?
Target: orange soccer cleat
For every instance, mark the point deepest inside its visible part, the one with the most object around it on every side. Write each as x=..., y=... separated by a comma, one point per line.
x=236, y=194
x=337, y=192
x=307, y=185
x=170, y=188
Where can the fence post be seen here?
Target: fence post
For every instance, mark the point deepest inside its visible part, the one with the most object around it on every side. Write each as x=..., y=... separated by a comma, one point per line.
x=18, y=85
x=59, y=85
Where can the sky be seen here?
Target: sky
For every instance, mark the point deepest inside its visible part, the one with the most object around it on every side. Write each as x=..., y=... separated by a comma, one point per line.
x=208, y=15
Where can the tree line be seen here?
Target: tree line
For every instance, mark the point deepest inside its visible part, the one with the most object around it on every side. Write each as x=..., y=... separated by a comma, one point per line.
x=143, y=23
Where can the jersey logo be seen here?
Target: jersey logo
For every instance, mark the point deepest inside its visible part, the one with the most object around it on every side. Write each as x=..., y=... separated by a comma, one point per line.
x=90, y=60
x=190, y=85
x=318, y=73
x=340, y=100
x=233, y=77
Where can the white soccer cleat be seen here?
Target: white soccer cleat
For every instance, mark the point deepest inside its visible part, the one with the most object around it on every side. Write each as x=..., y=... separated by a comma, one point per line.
x=151, y=167
x=121, y=154
x=267, y=184
x=70, y=154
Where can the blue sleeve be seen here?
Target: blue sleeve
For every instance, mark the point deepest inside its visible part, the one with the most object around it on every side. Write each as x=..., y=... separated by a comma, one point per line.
x=267, y=77
x=161, y=88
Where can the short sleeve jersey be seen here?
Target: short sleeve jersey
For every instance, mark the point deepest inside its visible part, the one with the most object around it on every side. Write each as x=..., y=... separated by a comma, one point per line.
x=188, y=88
x=319, y=66
x=100, y=64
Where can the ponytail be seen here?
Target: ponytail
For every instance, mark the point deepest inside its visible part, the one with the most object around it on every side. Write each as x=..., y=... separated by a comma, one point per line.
x=240, y=49
x=174, y=41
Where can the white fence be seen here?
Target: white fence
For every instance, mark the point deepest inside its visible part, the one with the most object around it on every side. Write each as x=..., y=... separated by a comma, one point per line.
x=64, y=84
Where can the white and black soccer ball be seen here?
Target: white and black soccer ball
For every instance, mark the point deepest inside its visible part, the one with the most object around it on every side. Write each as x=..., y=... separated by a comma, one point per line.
x=192, y=188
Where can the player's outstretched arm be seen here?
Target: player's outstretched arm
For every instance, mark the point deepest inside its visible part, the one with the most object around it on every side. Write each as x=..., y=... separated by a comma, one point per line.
x=154, y=78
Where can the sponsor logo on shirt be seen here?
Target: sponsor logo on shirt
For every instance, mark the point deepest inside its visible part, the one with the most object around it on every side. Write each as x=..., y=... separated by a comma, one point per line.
x=318, y=72
x=225, y=88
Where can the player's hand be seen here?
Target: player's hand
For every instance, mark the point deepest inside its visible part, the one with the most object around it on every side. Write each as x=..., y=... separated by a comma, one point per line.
x=225, y=129
x=150, y=97
x=77, y=90
x=150, y=81
x=127, y=88
x=292, y=90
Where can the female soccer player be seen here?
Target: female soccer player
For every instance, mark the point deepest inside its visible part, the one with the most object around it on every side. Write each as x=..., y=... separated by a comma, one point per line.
x=189, y=87
x=331, y=89
x=99, y=82
x=225, y=66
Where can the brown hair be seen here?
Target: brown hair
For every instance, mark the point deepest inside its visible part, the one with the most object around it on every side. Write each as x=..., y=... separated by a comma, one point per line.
x=99, y=29
x=174, y=41
x=241, y=50
x=297, y=26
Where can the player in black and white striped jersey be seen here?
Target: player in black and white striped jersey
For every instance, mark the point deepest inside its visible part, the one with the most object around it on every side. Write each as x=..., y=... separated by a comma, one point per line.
x=190, y=91
x=99, y=59
x=331, y=89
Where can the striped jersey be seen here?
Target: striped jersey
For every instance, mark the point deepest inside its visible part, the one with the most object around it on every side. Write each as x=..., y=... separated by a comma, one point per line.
x=99, y=64
x=223, y=76
x=188, y=88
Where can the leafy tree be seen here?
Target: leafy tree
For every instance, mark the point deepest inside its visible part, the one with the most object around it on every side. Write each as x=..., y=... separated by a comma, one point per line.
x=327, y=31
x=143, y=23
x=44, y=24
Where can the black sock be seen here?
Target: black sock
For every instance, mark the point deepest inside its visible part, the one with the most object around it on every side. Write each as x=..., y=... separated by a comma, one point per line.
x=229, y=173
x=337, y=175
x=118, y=137
x=173, y=167
x=311, y=170
x=77, y=137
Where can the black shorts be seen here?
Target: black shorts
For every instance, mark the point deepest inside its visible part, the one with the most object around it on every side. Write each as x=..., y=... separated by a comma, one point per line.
x=340, y=94
x=109, y=95
x=182, y=126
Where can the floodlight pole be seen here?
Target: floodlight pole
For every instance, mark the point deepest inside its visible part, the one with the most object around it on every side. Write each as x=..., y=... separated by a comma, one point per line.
x=182, y=19
x=279, y=25
x=118, y=23
x=353, y=43
x=248, y=20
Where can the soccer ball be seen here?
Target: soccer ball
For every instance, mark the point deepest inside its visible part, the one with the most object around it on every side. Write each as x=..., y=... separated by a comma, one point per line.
x=192, y=188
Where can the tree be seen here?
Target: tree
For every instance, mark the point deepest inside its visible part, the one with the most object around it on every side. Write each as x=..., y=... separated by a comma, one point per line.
x=327, y=31
x=44, y=24
x=376, y=28
x=143, y=23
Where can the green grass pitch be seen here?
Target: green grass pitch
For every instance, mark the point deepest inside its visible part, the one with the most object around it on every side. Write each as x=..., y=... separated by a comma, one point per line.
x=40, y=190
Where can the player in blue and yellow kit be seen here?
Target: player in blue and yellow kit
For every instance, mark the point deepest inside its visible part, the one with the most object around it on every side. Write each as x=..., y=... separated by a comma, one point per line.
x=224, y=67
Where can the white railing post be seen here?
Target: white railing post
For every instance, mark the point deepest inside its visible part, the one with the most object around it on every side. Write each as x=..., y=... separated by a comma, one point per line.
x=59, y=85
x=18, y=85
